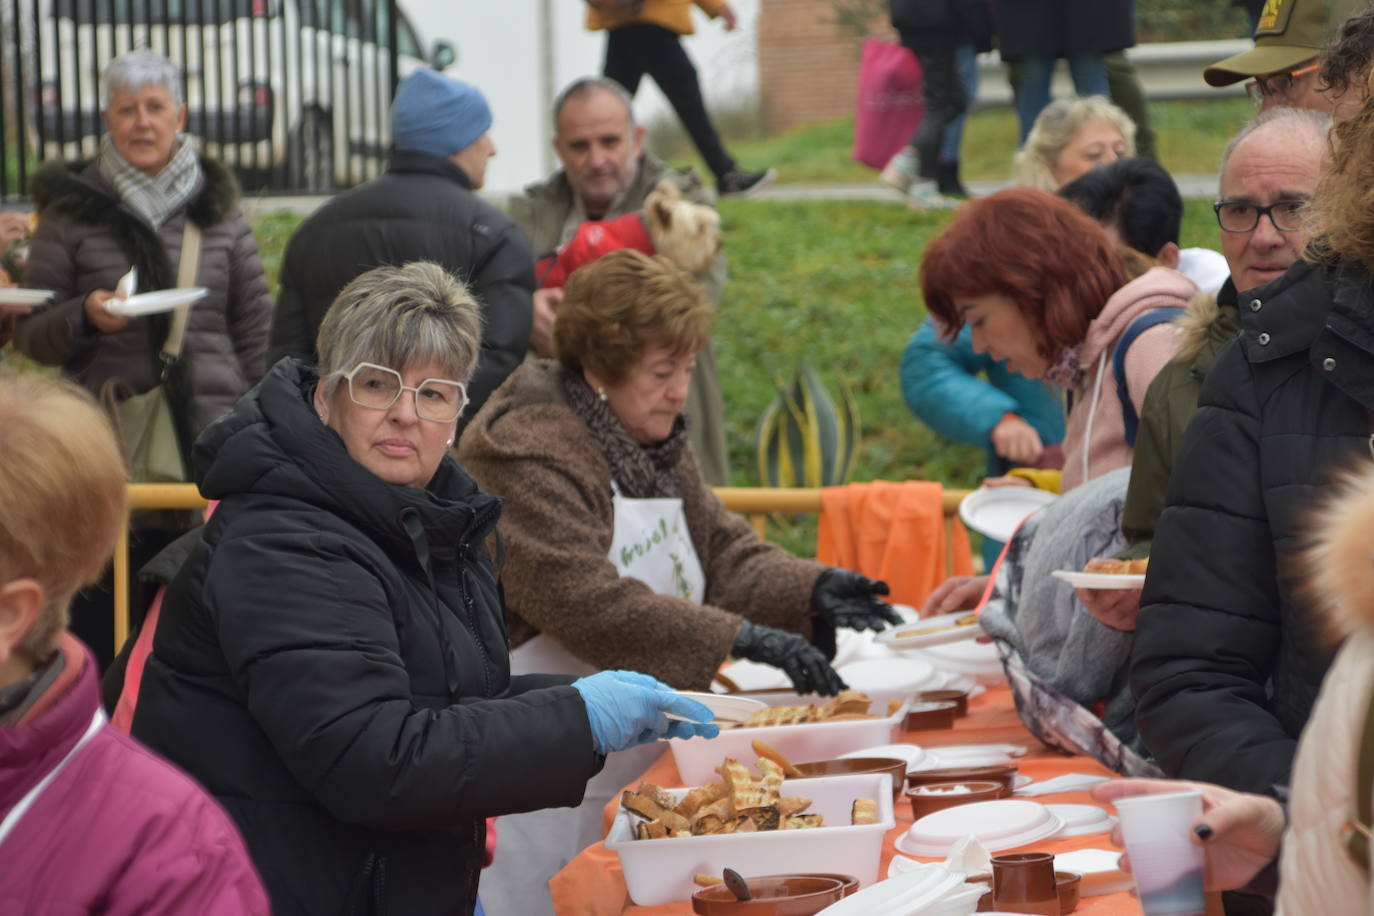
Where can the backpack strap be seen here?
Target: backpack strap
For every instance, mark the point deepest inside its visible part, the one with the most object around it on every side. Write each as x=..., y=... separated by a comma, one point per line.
x=1357, y=828
x=1140, y=325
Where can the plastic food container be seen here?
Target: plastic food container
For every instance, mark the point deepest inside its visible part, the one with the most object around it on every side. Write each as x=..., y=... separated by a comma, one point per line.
x=697, y=759
x=998, y=825
x=660, y=871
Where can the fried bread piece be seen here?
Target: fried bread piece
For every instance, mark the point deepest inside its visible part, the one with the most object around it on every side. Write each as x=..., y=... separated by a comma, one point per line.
x=863, y=811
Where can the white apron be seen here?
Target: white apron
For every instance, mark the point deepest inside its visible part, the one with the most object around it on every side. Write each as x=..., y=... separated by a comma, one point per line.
x=650, y=542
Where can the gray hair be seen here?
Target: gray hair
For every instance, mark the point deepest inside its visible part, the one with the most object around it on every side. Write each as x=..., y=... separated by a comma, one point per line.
x=586, y=85
x=1055, y=127
x=1303, y=123
x=135, y=69
x=401, y=317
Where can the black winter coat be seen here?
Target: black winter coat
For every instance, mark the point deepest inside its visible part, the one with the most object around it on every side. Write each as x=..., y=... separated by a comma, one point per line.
x=1053, y=28
x=941, y=24
x=421, y=209
x=331, y=663
x=1229, y=654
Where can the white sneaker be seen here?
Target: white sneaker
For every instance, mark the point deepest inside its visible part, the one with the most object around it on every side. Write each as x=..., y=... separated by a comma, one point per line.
x=925, y=195
x=900, y=171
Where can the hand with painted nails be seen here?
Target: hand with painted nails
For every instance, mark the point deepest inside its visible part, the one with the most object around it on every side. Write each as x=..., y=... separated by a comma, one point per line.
x=1239, y=832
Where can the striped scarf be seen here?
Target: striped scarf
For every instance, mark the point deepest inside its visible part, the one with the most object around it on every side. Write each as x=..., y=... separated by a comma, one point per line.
x=158, y=197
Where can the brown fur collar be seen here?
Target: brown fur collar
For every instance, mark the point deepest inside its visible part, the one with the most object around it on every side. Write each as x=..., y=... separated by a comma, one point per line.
x=1340, y=559
x=1194, y=324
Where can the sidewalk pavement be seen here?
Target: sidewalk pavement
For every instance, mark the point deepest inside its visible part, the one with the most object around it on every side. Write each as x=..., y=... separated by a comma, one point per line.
x=1203, y=186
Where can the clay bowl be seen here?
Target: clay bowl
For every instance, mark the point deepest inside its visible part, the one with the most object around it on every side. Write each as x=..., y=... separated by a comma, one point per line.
x=846, y=766
x=928, y=714
x=773, y=895
x=850, y=883
x=1005, y=773
x=1068, y=884
x=937, y=796
x=959, y=697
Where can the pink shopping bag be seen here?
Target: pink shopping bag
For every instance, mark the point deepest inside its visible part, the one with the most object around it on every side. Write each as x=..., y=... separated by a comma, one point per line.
x=889, y=103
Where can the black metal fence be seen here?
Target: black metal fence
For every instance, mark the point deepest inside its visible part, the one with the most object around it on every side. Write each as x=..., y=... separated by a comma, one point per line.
x=292, y=94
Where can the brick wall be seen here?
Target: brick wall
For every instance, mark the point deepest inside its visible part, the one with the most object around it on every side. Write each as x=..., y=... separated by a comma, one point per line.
x=808, y=67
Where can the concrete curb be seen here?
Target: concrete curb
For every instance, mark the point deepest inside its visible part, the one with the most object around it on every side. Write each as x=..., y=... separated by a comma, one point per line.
x=1193, y=186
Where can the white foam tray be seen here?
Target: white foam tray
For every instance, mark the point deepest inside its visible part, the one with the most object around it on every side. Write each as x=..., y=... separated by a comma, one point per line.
x=697, y=758
x=660, y=871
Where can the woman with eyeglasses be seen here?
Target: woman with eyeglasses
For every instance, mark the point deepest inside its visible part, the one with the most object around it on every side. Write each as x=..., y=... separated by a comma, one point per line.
x=331, y=662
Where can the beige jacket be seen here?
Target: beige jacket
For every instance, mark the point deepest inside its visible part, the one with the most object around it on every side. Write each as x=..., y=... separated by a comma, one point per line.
x=528, y=446
x=1316, y=873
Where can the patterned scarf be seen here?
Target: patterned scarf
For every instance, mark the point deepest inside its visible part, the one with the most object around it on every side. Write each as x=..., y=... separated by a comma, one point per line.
x=1066, y=372
x=158, y=197
x=641, y=471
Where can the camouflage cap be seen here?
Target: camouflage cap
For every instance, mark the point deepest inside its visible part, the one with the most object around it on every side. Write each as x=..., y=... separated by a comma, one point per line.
x=1289, y=32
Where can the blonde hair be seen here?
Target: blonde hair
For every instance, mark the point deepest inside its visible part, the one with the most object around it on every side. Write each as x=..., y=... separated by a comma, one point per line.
x=401, y=317
x=620, y=304
x=1342, y=207
x=1055, y=127
x=62, y=495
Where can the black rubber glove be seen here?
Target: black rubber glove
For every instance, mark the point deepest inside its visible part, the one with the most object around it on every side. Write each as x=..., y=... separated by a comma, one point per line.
x=801, y=661
x=848, y=599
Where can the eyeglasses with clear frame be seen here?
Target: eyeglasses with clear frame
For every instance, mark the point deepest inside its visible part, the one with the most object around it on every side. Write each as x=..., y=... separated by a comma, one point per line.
x=1242, y=216
x=438, y=400
x=1277, y=84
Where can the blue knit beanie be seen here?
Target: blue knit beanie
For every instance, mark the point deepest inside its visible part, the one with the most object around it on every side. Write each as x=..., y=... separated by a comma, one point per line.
x=438, y=116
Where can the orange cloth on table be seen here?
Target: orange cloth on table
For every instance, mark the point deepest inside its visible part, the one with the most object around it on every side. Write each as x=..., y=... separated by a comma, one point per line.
x=593, y=884
x=893, y=531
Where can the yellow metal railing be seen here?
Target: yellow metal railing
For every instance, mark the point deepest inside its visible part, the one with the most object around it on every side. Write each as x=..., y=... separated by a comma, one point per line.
x=757, y=503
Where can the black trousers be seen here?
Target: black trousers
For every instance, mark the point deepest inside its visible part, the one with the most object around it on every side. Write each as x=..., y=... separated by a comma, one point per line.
x=632, y=51
x=92, y=608
x=942, y=95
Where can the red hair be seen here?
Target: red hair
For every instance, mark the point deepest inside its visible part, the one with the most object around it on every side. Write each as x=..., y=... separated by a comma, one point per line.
x=1040, y=251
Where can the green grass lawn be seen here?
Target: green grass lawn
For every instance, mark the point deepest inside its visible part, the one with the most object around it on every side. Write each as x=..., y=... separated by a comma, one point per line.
x=1191, y=136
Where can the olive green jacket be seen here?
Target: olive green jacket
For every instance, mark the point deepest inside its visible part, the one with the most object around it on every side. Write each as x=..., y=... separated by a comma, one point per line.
x=1208, y=325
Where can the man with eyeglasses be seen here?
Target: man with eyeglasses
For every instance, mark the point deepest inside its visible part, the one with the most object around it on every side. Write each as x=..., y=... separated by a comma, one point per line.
x=1283, y=68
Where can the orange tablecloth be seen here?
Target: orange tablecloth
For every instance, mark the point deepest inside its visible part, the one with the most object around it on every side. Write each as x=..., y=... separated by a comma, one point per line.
x=592, y=883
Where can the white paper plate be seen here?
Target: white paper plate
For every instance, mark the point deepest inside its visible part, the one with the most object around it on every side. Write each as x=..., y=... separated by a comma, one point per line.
x=998, y=825
x=726, y=708
x=906, y=893
x=1080, y=820
x=1020, y=781
x=913, y=754
x=162, y=300
x=885, y=678
x=1099, y=868
x=955, y=754
x=933, y=631
x=1100, y=580
x=996, y=511
x=31, y=297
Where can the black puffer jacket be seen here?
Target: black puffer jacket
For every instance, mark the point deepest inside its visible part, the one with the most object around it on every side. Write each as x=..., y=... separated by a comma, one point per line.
x=1229, y=653
x=1053, y=28
x=421, y=209
x=331, y=663
x=87, y=239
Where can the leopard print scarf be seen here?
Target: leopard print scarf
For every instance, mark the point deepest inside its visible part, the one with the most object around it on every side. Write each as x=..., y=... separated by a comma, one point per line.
x=641, y=471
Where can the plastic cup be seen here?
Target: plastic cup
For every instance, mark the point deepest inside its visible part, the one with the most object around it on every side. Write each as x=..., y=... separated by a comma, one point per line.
x=1166, y=864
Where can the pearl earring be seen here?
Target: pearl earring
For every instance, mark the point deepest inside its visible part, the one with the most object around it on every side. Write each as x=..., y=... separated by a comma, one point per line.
x=449, y=443
x=601, y=393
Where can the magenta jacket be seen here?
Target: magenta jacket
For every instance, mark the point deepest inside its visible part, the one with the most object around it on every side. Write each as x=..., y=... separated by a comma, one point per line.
x=119, y=830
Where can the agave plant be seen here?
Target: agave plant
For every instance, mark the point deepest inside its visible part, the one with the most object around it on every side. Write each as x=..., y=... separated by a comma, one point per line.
x=804, y=439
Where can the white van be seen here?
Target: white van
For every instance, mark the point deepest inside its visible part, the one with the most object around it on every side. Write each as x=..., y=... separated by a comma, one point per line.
x=293, y=91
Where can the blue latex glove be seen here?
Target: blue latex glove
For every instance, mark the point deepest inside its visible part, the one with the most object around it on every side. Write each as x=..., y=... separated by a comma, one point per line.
x=626, y=708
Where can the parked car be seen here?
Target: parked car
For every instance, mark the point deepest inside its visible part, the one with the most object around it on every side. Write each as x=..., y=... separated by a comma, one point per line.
x=293, y=91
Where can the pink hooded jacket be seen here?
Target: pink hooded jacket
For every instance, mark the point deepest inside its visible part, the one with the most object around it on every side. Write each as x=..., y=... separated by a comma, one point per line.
x=1094, y=433
x=119, y=830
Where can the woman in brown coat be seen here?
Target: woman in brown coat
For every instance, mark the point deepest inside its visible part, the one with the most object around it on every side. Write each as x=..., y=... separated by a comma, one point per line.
x=618, y=554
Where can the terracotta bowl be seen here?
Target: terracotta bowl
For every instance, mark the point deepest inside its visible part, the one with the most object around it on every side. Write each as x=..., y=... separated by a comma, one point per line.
x=960, y=698
x=850, y=885
x=936, y=796
x=773, y=895
x=1068, y=884
x=1004, y=773
x=846, y=766
x=927, y=714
